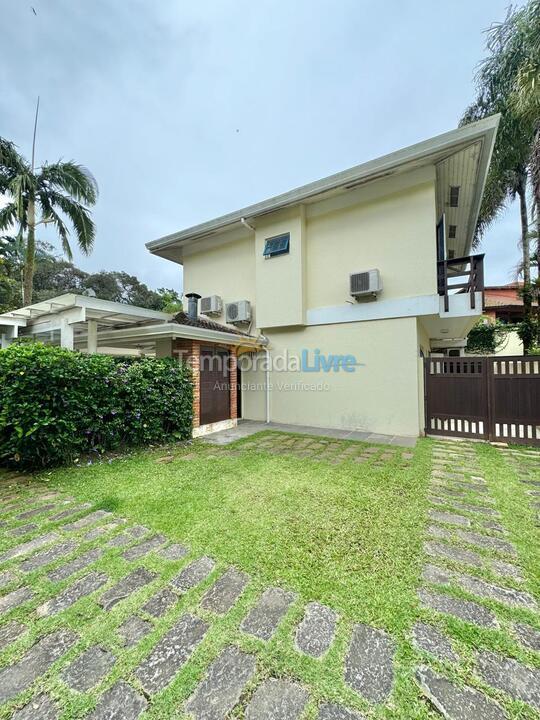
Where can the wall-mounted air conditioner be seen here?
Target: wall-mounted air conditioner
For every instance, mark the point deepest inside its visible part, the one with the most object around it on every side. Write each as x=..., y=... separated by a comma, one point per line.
x=238, y=312
x=211, y=305
x=365, y=283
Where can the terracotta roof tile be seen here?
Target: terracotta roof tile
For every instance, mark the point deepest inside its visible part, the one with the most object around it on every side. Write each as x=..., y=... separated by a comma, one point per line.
x=182, y=318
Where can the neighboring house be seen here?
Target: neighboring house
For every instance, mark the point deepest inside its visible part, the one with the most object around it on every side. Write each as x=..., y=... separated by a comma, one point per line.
x=364, y=271
x=504, y=304
x=330, y=294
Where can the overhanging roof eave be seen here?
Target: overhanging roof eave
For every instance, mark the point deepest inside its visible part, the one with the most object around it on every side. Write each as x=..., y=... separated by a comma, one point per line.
x=174, y=330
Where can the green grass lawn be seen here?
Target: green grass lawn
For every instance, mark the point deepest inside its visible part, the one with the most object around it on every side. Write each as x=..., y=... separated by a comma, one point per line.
x=348, y=535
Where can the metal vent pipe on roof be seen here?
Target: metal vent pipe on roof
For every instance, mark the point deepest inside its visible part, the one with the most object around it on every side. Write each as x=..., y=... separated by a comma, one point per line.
x=193, y=305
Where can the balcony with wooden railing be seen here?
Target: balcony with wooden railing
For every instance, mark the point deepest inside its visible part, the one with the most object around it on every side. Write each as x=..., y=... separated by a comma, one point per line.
x=461, y=275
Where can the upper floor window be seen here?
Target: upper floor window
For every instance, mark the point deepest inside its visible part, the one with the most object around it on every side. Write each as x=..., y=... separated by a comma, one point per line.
x=278, y=245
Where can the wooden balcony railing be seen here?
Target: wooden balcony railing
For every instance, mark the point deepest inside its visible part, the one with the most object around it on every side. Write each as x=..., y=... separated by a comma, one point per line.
x=469, y=271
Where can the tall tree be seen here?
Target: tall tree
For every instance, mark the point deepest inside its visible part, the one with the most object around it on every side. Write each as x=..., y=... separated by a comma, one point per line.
x=512, y=47
x=52, y=193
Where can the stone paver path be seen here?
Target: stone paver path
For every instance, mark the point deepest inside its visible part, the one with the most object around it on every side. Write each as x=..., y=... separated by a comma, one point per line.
x=472, y=578
x=469, y=551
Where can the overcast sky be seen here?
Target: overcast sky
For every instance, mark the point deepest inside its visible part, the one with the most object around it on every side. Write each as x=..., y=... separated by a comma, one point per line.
x=187, y=110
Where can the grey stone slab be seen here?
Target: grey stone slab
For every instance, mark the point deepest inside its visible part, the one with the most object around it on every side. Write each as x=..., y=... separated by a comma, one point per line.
x=133, y=630
x=73, y=510
x=171, y=653
x=15, y=598
x=225, y=591
x=173, y=552
x=465, y=610
x=23, y=529
x=81, y=588
x=160, y=603
x=456, y=554
x=430, y=639
x=126, y=586
x=440, y=533
x=476, y=509
x=46, y=557
x=99, y=531
x=87, y=520
x=509, y=596
x=143, y=548
x=277, y=700
x=121, y=702
x=120, y=540
x=493, y=526
x=29, y=547
x=222, y=687
x=486, y=542
x=369, y=666
x=6, y=577
x=79, y=563
x=193, y=574
x=436, y=575
x=10, y=632
x=263, y=619
x=333, y=711
x=527, y=636
x=39, y=708
x=34, y=663
x=450, y=518
x=138, y=531
x=471, y=488
x=317, y=630
x=457, y=702
x=87, y=670
x=519, y=681
x=506, y=569
x=36, y=511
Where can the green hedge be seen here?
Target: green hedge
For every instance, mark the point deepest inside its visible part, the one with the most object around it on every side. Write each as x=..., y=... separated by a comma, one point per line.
x=56, y=405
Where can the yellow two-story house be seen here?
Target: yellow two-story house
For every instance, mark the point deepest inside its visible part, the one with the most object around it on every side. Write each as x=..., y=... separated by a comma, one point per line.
x=347, y=283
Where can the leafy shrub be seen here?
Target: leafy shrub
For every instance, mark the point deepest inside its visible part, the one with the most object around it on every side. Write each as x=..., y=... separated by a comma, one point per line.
x=56, y=404
x=486, y=337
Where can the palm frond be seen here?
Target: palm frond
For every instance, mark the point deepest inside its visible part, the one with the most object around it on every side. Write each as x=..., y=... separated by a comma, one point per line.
x=71, y=178
x=8, y=216
x=52, y=216
x=11, y=161
x=78, y=215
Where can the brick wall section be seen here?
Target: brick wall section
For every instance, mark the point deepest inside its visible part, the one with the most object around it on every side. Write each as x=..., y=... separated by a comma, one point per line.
x=232, y=383
x=190, y=351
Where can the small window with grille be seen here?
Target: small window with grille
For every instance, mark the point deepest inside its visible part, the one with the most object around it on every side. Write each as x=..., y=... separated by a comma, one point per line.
x=278, y=245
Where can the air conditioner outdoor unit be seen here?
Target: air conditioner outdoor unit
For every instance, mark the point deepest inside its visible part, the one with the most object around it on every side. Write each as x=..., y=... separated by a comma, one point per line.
x=365, y=283
x=211, y=305
x=238, y=312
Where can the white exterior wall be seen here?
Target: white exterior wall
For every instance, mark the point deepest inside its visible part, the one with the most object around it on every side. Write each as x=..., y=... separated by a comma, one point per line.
x=381, y=395
x=389, y=225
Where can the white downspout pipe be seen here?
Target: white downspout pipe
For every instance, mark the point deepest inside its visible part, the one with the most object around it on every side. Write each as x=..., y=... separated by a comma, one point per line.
x=245, y=223
x=267, y=351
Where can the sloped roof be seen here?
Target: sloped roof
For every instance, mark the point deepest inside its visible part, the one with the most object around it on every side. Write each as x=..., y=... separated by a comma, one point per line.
x=183, y=318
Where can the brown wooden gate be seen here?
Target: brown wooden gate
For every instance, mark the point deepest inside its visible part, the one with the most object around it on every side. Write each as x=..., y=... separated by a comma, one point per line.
x=484, y=398
x=214, y=388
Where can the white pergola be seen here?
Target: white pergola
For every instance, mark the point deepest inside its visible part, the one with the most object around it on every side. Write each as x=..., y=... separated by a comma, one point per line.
x=74, y=321
x=78, y=322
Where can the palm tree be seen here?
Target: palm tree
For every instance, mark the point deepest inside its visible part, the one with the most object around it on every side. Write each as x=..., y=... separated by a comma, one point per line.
x=506, y=85
x=49, y=194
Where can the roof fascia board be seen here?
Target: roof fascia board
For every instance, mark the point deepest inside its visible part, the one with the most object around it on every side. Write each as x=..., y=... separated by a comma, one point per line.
x=175, y=331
